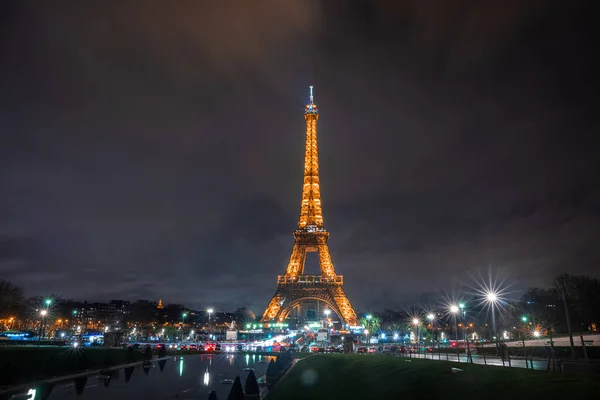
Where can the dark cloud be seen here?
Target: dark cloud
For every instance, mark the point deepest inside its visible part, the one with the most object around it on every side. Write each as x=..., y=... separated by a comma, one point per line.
x=154, y=151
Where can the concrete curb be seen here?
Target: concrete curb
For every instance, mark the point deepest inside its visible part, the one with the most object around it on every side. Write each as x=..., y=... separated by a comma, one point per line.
x=296, y=361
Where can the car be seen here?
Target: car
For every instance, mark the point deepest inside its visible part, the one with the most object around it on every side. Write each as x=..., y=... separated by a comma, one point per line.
x=183, y=347
x=362, y=350
x=372, y=350
x=193, y=347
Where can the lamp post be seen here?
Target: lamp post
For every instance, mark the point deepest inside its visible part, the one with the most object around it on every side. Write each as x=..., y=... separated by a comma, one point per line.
x=43, y=314
x=415, y=322
x=454, y=310
x=367, y=336
x=491, y=297
x=183, y=315
x=209, y=311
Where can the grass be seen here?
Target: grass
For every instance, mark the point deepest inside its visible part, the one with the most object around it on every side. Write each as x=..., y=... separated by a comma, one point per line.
x=353, y=376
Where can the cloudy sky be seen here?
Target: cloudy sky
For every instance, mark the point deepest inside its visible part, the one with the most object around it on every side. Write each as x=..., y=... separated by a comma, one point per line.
x=155, y=151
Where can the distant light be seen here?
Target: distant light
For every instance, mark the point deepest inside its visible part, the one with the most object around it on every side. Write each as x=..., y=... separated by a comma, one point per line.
x=327, y=312
x=524, y=318
x=75, y=344
x=416, y=321
x=430, y=317
x=62, y=334
x=210, y=311
x=366, y=331
x=383, y=336
x=454, y=308
x=536, y=333
x=491, y=297
x=395, y=336
x=48, y=302
x=43, y=313
x=369, y=316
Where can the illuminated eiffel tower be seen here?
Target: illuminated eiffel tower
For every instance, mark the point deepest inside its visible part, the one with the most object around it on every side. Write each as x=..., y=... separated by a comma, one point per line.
x=295, y=287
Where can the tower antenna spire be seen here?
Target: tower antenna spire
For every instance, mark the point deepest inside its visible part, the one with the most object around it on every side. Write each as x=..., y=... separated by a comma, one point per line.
x=311, y=95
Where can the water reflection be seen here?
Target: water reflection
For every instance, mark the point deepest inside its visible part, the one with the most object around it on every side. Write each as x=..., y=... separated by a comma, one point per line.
x=206, y=377
x=202, y=374
x=42, y=392
x=128, y=372
x=80, y=385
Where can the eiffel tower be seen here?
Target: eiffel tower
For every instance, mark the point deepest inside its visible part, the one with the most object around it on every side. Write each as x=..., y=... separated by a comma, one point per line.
x=310, y=236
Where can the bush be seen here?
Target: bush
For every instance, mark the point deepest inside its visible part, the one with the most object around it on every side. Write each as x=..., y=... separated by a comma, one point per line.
x=212, y=395
x=272, y=369
x=236, y=393
x=251, y=384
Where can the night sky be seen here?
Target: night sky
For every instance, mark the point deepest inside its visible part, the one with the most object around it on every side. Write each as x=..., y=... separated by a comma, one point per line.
x=156, y=152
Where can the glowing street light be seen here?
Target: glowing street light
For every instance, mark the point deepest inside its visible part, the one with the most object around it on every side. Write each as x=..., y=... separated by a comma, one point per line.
x=536, y=333
x=524, y=318
x=369, y=316
x=492, y=298
x=416, y=323
x=48, y=302
x=43, y=313
x=327, y=312
x=454, y=309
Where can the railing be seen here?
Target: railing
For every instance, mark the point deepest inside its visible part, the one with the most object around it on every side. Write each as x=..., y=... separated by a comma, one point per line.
x=338, y=279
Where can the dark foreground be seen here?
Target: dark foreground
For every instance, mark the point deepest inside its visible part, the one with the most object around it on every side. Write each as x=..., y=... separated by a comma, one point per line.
x=333, y=376
x=190, y=377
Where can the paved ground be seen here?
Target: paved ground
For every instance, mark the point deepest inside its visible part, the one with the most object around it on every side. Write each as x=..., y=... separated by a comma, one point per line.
x=478, y=359
x=190, y=377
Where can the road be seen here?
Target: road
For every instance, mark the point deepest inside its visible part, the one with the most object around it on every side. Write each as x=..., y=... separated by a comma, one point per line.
x=478, y=359
x=190, y=377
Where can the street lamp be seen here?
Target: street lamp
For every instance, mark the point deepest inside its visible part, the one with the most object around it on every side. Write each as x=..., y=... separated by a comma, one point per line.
x=48, y=302
x=416, y=322
x=43, y=314
x=183, y=315
x=536, y=333
x=431, y=317
x=492, y=297
x=454, y=310
x=367, y=336
x=209, y=311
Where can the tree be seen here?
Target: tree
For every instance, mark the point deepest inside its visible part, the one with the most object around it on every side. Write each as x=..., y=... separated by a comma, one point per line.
x=11, y=299
x=252, y=384
x=236, y=392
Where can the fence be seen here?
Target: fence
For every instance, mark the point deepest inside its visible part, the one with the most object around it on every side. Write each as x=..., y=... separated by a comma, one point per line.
x=549, y=358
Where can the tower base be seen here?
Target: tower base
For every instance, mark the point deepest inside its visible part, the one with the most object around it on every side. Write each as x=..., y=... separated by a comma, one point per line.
x=292, y=291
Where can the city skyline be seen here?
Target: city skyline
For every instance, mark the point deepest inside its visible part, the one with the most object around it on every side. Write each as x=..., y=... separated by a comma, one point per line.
x=168, y=165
